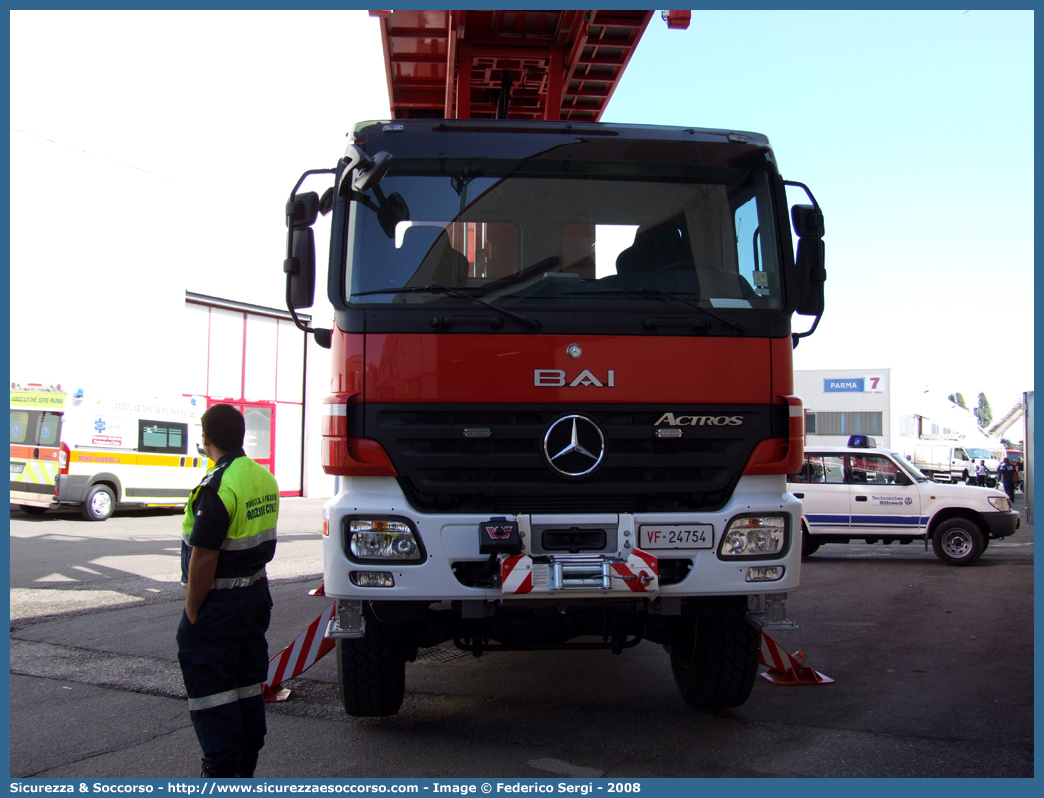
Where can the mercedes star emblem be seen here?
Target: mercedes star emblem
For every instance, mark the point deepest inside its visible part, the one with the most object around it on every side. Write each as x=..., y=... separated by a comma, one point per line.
x=574, y=446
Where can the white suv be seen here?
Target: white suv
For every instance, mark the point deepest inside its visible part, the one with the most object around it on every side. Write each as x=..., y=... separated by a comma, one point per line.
x=856, y=493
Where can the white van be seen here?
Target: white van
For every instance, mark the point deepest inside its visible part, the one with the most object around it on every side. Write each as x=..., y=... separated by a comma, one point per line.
x=950, y=461
x=104, y=453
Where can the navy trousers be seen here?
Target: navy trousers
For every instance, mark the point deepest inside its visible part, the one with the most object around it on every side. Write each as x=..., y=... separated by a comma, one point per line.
x=224, y=660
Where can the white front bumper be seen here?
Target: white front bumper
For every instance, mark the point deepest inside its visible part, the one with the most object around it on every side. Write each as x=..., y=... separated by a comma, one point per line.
x=449, y=538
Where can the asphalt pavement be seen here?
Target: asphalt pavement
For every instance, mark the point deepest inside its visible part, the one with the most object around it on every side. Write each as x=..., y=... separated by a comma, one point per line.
x=933, y=670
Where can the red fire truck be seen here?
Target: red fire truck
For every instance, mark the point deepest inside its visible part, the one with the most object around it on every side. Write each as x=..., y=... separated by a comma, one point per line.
x=561, y=397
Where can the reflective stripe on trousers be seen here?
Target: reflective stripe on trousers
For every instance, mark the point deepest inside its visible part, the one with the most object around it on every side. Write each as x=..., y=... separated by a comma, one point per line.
x=227, y=697
x=238, y=581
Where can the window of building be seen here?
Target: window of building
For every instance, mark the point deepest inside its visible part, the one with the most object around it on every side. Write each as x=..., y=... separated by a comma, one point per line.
x=849, y=423
x=162, y=437
x=810, y=423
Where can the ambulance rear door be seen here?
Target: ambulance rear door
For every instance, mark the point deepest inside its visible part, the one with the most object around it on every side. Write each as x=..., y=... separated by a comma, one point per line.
x=36, y=428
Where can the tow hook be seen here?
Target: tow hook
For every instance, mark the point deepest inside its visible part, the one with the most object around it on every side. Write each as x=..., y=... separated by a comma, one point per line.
x=643, y=578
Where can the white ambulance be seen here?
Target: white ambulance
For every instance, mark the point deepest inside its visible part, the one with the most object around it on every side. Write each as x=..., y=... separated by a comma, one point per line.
x=101, y=453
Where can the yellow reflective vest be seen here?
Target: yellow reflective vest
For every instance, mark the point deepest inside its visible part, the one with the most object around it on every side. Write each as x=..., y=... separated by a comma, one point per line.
x=250, y=495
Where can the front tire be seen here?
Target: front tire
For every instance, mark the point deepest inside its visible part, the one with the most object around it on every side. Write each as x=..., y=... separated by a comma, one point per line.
x=98, y=504
x=371, y=671
x=958, y=541
x=715, y=660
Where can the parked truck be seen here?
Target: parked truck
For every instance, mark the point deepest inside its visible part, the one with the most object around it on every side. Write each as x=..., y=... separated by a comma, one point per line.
x=562, y=406
x=953, y=461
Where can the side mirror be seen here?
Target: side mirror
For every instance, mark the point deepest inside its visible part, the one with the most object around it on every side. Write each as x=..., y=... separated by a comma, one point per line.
x=299, y=266
x=808, y=221
x=300, y=269
x=808, y=224
x=367, y=171
x=302, y=210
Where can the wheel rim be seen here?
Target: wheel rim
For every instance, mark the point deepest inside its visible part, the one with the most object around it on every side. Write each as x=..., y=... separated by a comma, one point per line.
x=101, y=504
x=957, y=543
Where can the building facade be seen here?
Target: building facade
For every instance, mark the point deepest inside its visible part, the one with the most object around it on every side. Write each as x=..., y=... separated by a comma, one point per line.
x=886, y=404
x=256, y=359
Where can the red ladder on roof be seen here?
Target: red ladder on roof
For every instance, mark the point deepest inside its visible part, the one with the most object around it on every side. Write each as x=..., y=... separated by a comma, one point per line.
x=509, y=64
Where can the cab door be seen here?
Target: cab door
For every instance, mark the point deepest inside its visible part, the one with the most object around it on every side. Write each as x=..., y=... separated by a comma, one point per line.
x=884, y=500
x=823, y=492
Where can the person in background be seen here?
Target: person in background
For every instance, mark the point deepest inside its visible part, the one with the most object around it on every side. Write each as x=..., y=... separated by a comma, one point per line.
x=1020, y=476
x=981, y=472
x=229, y=536
x=1007, y=474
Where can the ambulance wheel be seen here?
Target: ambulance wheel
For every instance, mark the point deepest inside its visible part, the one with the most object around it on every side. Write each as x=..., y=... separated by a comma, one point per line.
x=371, y=671
x=715, y=660
x=98, y=504
x=808, y=546
x=958, y=541
x=31, y=509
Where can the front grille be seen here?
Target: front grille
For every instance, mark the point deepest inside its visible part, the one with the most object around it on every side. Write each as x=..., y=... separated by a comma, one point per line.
x=506, y=472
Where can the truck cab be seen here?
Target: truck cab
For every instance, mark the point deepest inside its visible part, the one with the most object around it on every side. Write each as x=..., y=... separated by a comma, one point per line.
x=562, y=397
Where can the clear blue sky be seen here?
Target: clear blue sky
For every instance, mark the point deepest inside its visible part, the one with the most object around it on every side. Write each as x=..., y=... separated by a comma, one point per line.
x=915, y=132
x=913, y=129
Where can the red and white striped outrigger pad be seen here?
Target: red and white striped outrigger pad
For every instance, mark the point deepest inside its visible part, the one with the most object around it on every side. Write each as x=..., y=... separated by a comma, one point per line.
x=309, y=647
x=784, y=668
x=520, y=576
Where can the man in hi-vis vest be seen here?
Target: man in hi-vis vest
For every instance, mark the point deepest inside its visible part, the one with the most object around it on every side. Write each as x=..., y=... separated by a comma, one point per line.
x=229, y=534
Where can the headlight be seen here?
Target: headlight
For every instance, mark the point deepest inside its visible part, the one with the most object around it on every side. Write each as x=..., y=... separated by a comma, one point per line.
x=380, y=539
x=754, y=537
x=1002, y=503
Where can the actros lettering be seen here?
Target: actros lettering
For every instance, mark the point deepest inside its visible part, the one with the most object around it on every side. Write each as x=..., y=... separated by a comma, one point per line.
x=699, y=421
x=556, y=378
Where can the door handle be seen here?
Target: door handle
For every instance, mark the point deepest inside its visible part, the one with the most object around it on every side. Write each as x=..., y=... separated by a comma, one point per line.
x=860, y=498
x=799, y=495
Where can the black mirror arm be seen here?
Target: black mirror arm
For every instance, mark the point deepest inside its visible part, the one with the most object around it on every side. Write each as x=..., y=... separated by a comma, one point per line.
x=322, y=336
x=806, y=189
x=795, y=337
x=308, y=173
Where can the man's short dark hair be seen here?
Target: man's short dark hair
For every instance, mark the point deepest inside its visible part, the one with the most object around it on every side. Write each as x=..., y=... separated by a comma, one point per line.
x=225, y=427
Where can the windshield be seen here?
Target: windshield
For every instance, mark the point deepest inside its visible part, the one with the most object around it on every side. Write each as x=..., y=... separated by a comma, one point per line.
x=978, y=454
x=538, y=234
x=911, y=469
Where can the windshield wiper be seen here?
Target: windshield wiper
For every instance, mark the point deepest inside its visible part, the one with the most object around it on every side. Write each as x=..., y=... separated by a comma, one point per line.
x=435, y=288
x=661, y=294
